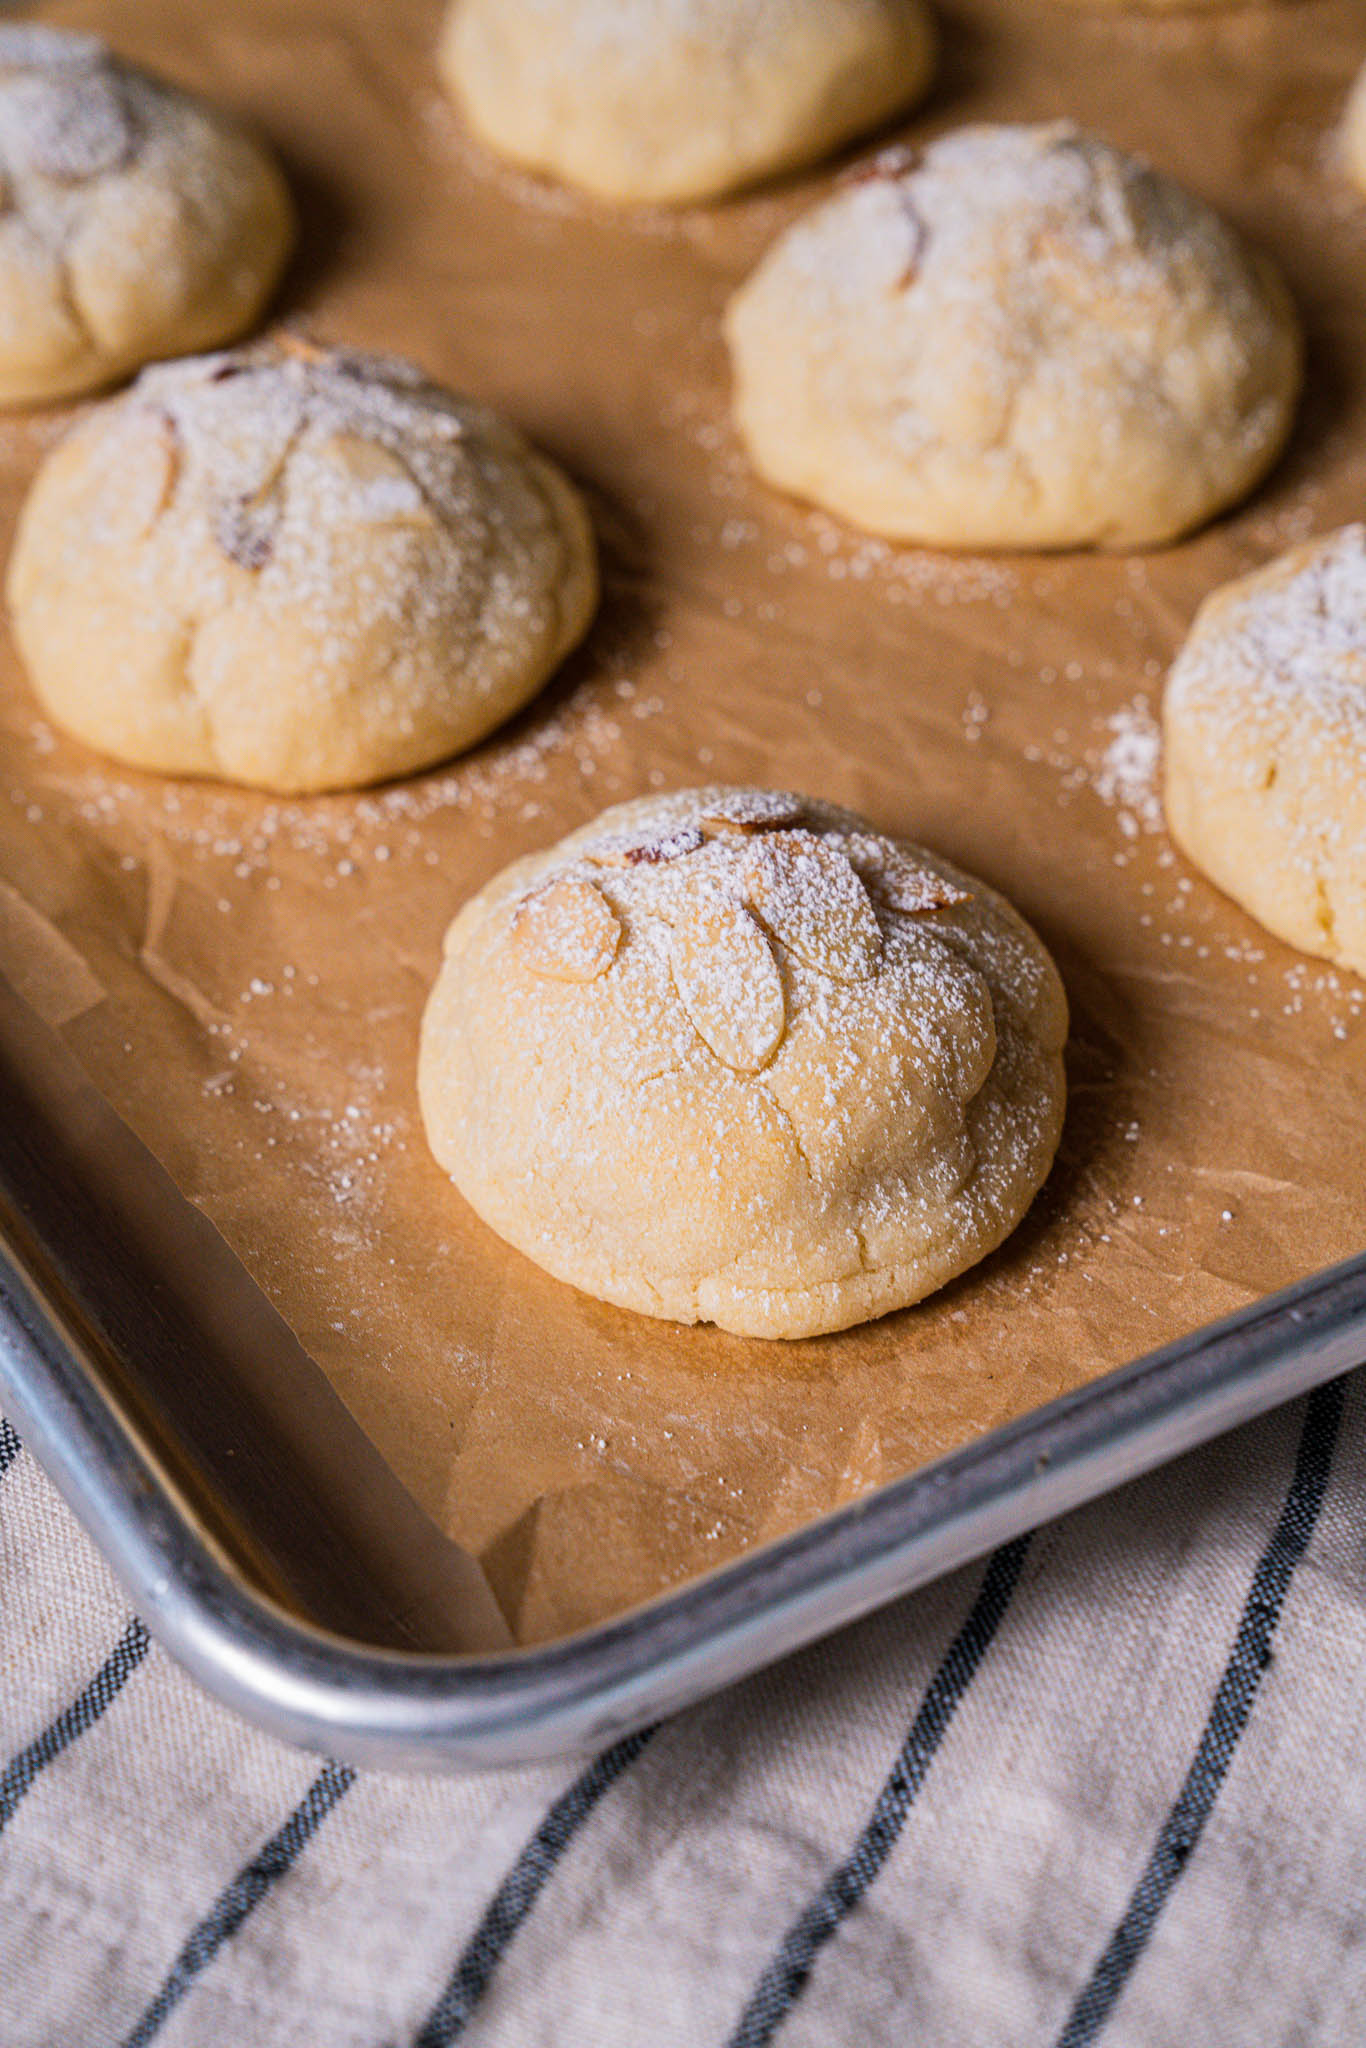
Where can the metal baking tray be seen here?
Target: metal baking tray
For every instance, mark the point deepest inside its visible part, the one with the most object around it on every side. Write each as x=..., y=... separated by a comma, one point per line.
x=134, y=1357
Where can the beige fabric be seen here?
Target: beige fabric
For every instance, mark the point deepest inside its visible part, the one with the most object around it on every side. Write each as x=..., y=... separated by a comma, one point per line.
x=1020, y=1854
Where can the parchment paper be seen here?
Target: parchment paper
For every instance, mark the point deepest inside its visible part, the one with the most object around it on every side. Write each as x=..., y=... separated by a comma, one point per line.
x=243, y=978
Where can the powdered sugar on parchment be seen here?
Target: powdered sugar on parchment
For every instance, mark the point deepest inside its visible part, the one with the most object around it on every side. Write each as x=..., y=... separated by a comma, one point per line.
x=1127, y=775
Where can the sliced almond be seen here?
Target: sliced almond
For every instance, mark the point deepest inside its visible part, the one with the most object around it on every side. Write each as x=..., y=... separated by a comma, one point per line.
x=634, y=853
x=809, y=896
x=917, y=240
x=1103, y=272
x=139, y=461
x=246, y=524
x=300, y=347
x=897, y=162
x=728, y=979
x=896, y=882
x=912, y=890
x=566, y=931
x=245, y=529
x=745, y=810
x=380, y=489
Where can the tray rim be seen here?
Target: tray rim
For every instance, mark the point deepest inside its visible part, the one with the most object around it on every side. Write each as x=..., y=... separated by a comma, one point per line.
x=404, y=1710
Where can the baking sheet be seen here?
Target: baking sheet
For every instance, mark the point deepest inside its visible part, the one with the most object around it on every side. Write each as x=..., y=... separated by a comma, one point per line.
x=243, y=977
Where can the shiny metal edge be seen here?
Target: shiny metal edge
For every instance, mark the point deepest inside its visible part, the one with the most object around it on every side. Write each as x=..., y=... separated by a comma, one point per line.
x=396, y=1710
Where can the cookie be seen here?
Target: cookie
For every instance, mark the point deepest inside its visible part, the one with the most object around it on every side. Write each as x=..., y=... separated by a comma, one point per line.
x=730, y=1055
x=297, y=568
x=1264, y=727
x=1022, y=338
x=1164, y=6
x=135, y=221
x=1352, y=134
x=671, y=100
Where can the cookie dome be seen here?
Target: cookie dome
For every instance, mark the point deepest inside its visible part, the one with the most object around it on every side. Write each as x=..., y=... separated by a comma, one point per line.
x=668, y=100
x=297, y=568
x=135, y=221
x=1022, y=338
x=1264, y=729
x=732, y=1056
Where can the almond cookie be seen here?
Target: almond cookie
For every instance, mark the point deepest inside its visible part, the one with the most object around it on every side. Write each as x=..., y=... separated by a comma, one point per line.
x=1165, y=6
x=1352, y=135
x=135, y=221
x=1265, y=741
x=669, y=100
x=731, y=1056
x=297, y=568
x=1020, y=339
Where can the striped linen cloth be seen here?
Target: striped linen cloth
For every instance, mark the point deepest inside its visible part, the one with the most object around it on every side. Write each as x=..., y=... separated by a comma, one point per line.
x=1107, y=1786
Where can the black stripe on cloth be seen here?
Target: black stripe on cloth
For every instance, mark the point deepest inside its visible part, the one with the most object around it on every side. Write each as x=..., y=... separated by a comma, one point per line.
x=117, y=1668
x=785, y=1978
x=1228, y=1717
x=241, y=1898
x=10, y=1445
x=519, y=1891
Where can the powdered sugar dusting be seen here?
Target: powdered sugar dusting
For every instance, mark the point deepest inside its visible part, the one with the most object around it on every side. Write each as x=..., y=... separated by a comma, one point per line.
x=987, y=343
x=356, y=571
x=1290, y=645
x=73, y=114
x=508, y=780
x=1127, y=776
x=240, y=417
x=1266, y=733
x=134, y=217
x=834, y=1084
